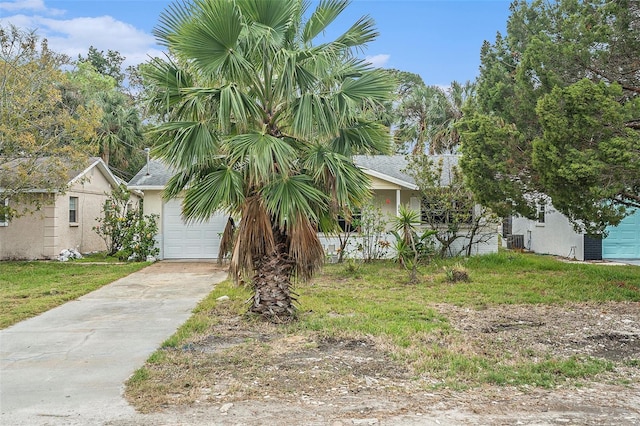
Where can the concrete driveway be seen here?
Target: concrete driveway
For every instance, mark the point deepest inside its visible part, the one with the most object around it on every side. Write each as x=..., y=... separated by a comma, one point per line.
x=68, y=365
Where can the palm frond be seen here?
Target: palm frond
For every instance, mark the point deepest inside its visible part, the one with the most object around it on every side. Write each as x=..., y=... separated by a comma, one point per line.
x=265, y=156
x=363, y=137
x=216, y=189
x=313, y=115
x=171, y=19
x=326, y=12
x=346, y=184
x=360, y=33
x=210, y=39
x=275, y=15
x=305, y=248
x=288, y=197
x=372, y=87
x=189, y=142
x=235, y=108
x=168, y=80
x=227, y=240
x=254, y=240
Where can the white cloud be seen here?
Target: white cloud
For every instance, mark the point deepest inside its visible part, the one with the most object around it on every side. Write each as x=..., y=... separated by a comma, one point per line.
x=74, y=36
x=29, y=5
x=36, y=5
x=378, y=60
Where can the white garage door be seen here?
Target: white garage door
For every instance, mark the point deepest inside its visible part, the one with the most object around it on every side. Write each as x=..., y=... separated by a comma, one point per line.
x=197, y=240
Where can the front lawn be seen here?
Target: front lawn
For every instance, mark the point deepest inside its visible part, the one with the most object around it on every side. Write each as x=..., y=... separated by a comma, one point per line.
x=30, y=288
x=521, y=320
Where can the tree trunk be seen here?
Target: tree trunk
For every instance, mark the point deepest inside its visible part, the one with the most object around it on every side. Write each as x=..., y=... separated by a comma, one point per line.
x=273, y=298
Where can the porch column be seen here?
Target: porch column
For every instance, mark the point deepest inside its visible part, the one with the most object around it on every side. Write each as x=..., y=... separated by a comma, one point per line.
x=397, y=202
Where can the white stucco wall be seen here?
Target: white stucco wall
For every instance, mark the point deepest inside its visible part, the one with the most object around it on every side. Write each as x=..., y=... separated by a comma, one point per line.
x=152, y=204
x=555, y=236
x=385, y=199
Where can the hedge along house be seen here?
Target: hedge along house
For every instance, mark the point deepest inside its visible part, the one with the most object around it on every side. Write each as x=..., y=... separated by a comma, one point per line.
x=64, y=220
x=552, y=233
x=179, y=239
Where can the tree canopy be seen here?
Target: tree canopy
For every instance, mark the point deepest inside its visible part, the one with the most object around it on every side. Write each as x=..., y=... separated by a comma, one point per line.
x=425, y=116
x=98, y=80
x=40, y=132
x=557, y=112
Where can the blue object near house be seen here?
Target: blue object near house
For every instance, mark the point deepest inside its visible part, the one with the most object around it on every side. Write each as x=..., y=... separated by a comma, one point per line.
x=623, y=241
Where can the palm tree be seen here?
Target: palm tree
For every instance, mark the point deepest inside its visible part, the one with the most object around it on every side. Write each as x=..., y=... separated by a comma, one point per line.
x=426, y=117
x=261, y=120
x=445, y=137
x=417, y=108
x=120, y=133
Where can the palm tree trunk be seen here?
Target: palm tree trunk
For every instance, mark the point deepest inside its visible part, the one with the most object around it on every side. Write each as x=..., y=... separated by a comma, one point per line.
x=273, y=298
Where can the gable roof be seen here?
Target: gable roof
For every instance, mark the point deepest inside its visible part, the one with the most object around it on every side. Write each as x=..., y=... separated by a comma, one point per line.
x=47, y=165
x=386, y=167
x=390, y=168
x=153, y=175
x=98, y=163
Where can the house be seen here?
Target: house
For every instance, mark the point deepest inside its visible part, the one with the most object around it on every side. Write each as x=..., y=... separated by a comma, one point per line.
x=393, y=187
x=178, y=239
x=64, y=221
x=552, y=233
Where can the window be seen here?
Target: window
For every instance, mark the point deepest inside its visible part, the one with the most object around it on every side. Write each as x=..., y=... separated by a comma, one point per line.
x=541, y=213
x=73, y=209
x=4, y=217
x=445, y=211
x=351, y=225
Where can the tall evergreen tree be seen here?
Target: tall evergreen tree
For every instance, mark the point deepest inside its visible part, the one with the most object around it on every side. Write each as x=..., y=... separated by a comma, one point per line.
x=557, y=112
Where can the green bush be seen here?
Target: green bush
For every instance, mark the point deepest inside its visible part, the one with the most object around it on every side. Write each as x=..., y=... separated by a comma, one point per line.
x=128, y=234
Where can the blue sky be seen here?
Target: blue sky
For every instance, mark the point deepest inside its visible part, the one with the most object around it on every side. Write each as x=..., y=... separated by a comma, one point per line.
x=440, y=40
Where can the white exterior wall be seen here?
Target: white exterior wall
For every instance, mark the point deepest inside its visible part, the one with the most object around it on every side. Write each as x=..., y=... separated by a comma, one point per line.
x=152, y=204
x=331, y=244
x=386, y=200
x=555, y=236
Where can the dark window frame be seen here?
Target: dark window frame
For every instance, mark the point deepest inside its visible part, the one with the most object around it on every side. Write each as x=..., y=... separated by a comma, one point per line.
x=73, y=210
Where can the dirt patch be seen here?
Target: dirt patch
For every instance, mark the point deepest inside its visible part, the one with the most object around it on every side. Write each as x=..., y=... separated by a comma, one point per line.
x=252, y=374
x=609, y=331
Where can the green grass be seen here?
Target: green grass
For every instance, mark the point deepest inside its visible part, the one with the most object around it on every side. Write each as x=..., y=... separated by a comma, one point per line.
x=375, y=301
x=100, y=257
x=30, y=288
x=503, y=278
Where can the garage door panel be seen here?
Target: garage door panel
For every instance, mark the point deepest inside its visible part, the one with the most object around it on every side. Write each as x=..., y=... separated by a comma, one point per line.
x=191, y=240
x=623, y=241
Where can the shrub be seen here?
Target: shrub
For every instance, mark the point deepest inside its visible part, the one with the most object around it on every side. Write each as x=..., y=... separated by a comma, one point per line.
x=127, y=233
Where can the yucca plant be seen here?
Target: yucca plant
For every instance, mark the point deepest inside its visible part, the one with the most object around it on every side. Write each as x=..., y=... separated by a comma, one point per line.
x=405, y=226
x=261, y=120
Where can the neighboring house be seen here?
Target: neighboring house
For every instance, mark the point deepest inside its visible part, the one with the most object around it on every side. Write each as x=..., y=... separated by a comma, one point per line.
x=552, y=233
x=64, y=221
x=180, y=240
